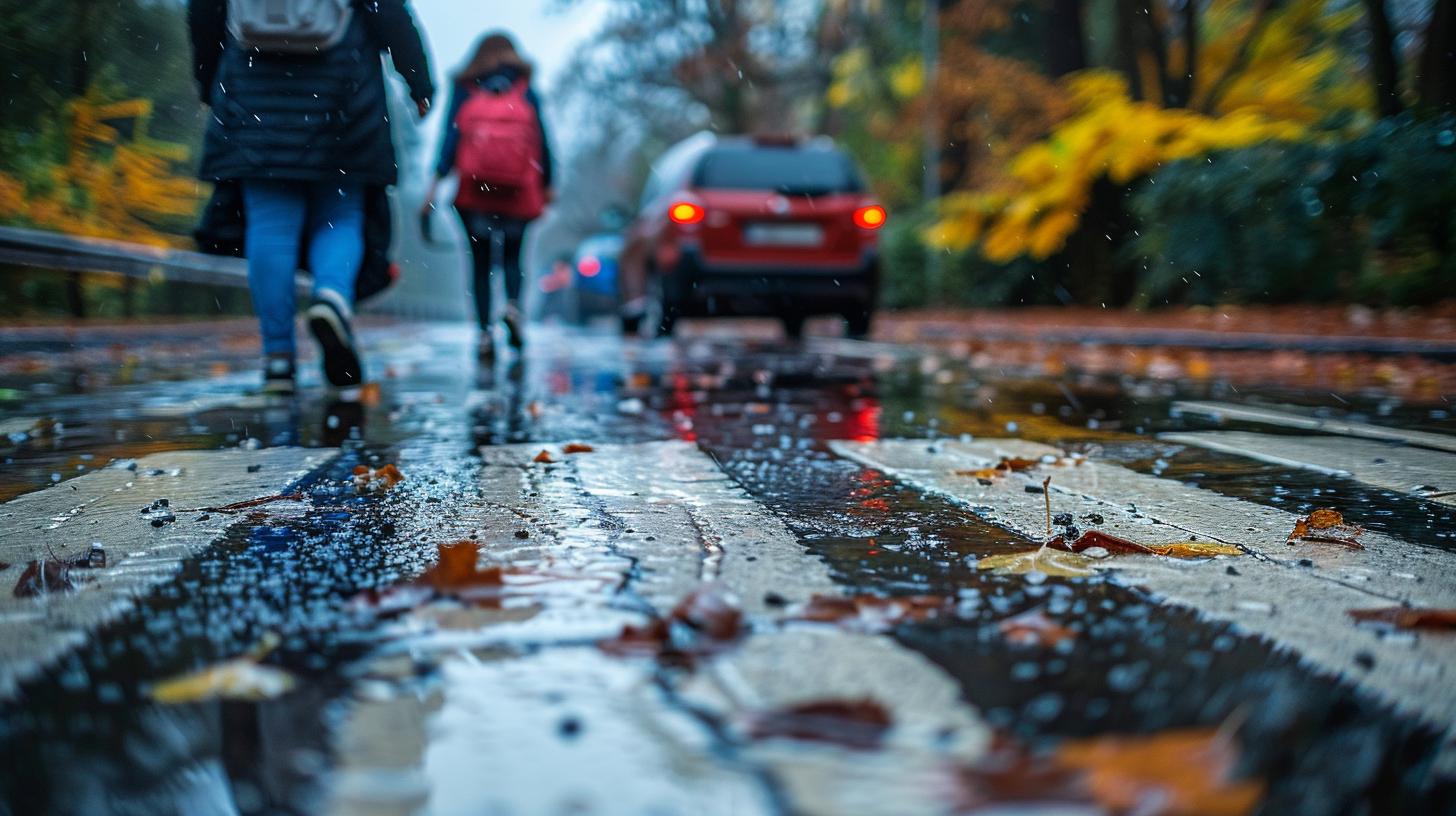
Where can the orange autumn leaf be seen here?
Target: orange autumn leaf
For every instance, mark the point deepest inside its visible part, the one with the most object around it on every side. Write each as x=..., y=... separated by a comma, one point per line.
x=983, y=474
x=1328, y=526
x=1403, y=617
x=1183, y=772
x=577, y=447
x=380, y=478
x=457, y=568
x=1013, y=463
x=1114, y=544
x=1034, y=628
x=543, y=458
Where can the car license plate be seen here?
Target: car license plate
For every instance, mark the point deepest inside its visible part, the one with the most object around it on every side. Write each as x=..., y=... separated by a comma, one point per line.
x=783, y=235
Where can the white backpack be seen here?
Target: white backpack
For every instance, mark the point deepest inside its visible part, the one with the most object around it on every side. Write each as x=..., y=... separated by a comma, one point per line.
x=289, y=26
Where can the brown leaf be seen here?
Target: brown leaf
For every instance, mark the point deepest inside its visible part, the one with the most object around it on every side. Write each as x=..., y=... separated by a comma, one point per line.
x=1013, y=463
x=1097, y=538
x=577, y=447
x=457, y=568
x=377, y=479
x=858, y=724
x=869, y=613
x=1183, y=772
x=1034, y=628
x=1046, y=560
x=543, y=458
x=43, y=576
x=703, y=622
x=1404, y=617
x=1327, y=526
x=983, y=474
x=1009, y=773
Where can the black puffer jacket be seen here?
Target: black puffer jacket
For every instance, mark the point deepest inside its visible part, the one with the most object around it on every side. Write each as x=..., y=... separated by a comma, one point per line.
x=305, y=117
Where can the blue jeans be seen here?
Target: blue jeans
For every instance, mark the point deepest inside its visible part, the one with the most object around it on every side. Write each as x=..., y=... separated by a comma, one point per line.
x=280, y=216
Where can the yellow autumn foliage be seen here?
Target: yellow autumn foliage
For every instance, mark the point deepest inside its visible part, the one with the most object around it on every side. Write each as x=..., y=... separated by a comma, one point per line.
x=1290, y=79
x=108, y=186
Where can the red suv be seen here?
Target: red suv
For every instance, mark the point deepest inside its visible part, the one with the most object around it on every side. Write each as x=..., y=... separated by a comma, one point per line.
x=752, y=226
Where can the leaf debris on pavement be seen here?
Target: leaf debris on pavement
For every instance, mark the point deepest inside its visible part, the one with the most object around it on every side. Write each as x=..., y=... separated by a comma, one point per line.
x=1180, y=772
x=1046, y=560
x=576, y=447
x=1326, y=525
x=706, y=621
x=543, y=458
x=860, y=724
x=1405, y=617
x=1117, y=545
x=242, y=678
x=1034, y=628
x=377, y=479
x=42, y=577
x=875, y=614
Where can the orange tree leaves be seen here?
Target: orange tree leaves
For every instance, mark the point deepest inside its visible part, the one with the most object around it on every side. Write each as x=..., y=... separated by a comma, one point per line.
x=706, y=621
x=869, y=613
x=1034, y=628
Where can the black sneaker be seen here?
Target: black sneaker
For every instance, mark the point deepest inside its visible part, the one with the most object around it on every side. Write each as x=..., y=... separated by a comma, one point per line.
x=515, y=330
x=278, y=374
x=328, y=319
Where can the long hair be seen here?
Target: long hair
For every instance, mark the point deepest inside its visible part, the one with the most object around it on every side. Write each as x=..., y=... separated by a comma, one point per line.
x=493, y=51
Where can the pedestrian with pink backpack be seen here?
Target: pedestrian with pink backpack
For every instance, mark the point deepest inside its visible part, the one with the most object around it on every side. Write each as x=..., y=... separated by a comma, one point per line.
x=495, y=141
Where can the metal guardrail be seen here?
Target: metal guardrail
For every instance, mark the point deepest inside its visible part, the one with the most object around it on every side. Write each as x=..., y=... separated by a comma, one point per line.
x=40, y=249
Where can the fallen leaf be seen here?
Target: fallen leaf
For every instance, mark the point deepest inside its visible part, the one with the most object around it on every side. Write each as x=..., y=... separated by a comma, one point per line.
x=44, y=576
x=1059, y=563
x=377, y=479
x=457, y=568
x=984, y=474
x=1194, y=549
x=1328, y=526
x=1404, y=617
x=1117, y=545
x=577, y=447
x=1182, y=772
x=1013, y=463
x=1034, y=628
x=870, y=613
x=707, y=620
x=1010, y=774
x=240, y=679
x=860, y=724
x=543, y=458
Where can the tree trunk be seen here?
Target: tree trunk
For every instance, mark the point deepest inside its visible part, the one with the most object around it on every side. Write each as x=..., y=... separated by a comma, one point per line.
x=1384, y=68
x=1180, y=92
x=1437, y=82
x=1065, y=51
x=1127, y=46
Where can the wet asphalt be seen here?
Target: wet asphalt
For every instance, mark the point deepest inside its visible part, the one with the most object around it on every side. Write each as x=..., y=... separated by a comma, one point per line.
x=82, y=736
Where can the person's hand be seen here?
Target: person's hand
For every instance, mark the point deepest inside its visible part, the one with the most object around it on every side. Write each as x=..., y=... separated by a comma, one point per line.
x=423, y=105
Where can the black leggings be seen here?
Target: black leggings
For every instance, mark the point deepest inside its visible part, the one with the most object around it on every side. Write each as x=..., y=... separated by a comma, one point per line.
x=486, y=231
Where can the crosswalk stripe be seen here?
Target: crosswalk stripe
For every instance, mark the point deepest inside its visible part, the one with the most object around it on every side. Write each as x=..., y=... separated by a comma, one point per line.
x=1302, y=608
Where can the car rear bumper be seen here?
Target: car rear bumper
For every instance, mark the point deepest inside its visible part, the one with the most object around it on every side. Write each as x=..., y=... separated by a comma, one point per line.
x=702, y=288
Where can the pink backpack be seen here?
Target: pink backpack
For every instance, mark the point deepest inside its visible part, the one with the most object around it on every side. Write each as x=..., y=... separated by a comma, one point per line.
x=500, y=142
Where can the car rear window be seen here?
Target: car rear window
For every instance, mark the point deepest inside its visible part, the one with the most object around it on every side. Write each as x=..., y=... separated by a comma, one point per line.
x=786, y=170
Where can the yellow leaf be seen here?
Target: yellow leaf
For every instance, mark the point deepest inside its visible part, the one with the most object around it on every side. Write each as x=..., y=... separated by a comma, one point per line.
x=1059, y=563
x=1194, y=549
x=240, y=679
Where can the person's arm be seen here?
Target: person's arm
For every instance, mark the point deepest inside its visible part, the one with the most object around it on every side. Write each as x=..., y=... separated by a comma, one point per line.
x=449, y=143
x=207, y=27
x=394, y=29
x=545, y=139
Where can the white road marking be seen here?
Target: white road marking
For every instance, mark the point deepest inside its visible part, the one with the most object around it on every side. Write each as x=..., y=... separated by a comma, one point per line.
x=1223, y=411
x=104, y=507
x=1302, y=608
x=1419, y=472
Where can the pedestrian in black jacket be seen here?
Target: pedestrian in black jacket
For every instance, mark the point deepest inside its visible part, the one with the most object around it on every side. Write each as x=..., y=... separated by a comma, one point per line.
x=491, y=100
x=304, y=134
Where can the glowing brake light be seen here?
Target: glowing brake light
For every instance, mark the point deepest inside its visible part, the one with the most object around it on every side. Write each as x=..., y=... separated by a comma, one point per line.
x=870, y=218
x=589, y=266
x=685, y=212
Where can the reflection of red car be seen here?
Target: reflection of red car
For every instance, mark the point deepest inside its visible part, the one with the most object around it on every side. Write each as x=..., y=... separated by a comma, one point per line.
x=739, y=226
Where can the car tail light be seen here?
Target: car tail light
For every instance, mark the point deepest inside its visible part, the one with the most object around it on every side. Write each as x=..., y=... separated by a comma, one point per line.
x=589, y=266
x=871, y=217
x=685, y=212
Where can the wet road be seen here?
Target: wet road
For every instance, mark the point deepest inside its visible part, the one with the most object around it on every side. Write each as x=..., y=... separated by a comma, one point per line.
x=727, y=458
